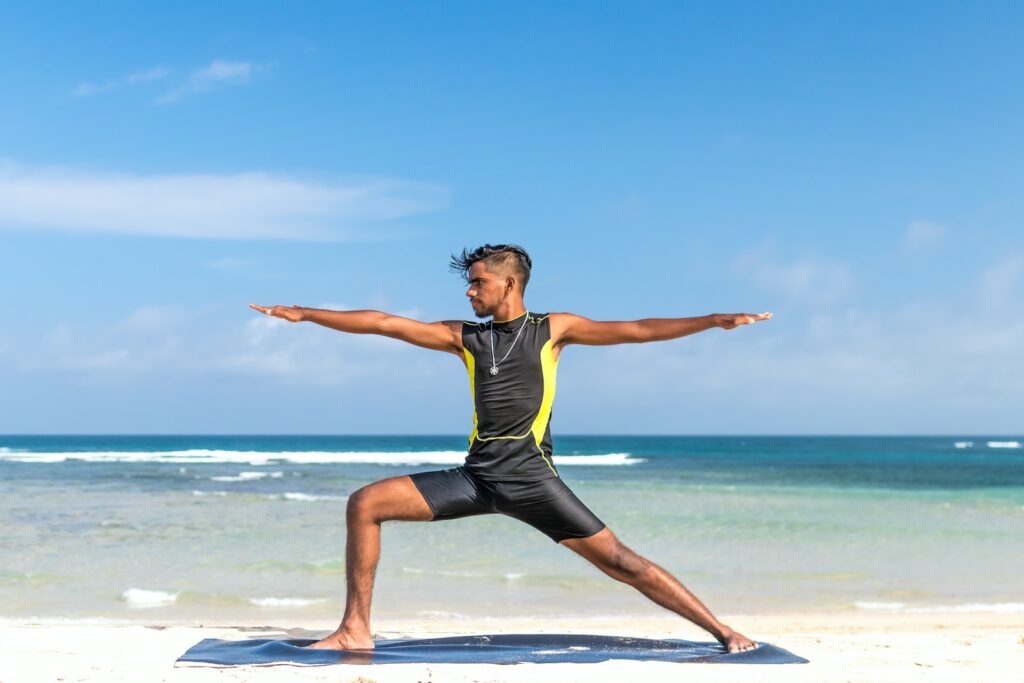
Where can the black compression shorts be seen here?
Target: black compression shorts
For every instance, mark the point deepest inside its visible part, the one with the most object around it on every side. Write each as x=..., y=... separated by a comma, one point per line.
x=545, y=504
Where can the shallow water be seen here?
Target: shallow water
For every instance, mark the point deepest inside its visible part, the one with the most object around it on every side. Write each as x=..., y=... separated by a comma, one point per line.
x=245, y=527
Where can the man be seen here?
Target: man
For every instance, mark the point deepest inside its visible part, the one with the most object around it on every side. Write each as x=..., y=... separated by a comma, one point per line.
x=511, y=361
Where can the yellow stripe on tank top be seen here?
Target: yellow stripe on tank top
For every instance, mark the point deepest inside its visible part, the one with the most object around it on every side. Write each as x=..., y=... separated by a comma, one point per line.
x=471, y=367
x=549, y=367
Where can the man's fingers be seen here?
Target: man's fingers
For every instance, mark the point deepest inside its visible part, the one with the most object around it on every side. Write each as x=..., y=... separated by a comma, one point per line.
x=262, y=309
x=737, y=319
x=747, y=318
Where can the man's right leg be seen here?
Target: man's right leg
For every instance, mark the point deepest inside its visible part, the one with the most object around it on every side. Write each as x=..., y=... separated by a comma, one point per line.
x=396, y=498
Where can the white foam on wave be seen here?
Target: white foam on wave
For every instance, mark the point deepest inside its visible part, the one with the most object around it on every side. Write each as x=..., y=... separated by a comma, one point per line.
x=305, y=497
x=288, y=495
x=1004, y=444
x=285, y=602
x=963, y=444
x=139, y=597
x=211, y=456
x=250, y=476
x=508, y=576
x=606, y=459
x=255, y=458
x=904, y=608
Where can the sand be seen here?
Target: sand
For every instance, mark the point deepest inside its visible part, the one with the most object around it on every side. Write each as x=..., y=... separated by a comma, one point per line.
x=852, y=646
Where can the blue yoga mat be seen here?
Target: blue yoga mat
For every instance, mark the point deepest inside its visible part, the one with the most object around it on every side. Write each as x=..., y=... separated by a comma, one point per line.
x=484, y=649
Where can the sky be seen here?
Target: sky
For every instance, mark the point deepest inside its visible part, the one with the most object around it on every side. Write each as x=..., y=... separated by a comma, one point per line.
x=857, y=169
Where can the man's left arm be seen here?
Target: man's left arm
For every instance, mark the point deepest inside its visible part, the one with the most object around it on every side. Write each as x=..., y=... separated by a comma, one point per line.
x=568, y=328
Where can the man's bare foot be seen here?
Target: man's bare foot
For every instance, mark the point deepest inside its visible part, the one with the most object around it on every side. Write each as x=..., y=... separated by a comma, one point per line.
x=736, y=642
x=345, y=640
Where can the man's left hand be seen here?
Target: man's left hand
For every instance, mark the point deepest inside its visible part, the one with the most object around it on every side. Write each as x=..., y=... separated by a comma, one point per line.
x=727, y=321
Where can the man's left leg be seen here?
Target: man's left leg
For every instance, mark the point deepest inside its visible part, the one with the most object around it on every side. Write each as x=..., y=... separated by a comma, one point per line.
x=609, y=555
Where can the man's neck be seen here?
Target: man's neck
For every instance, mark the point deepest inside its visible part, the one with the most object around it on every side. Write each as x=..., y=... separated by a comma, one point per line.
x=509, y=311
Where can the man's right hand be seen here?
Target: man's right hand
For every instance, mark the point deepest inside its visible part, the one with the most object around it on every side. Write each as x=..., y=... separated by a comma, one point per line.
x=293, y=314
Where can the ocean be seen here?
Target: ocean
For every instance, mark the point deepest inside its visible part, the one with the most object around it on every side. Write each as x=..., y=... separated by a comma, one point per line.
x=192, y=528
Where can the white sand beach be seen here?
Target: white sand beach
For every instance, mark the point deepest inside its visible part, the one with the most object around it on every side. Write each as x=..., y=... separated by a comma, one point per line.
x=841, y=646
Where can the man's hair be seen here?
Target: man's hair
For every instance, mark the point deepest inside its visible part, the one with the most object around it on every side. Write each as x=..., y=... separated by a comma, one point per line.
x=503, y=258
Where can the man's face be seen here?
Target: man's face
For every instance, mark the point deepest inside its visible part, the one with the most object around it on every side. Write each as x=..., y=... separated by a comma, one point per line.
x=486, y=290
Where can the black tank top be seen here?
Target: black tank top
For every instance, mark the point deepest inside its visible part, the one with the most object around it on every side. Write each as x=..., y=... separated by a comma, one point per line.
x=511, y=436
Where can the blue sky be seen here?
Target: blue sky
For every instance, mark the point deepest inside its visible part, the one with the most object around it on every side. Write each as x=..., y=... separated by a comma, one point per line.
x=856, y=168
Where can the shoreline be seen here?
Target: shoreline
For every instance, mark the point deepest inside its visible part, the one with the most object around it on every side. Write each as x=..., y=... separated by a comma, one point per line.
x=841, y=646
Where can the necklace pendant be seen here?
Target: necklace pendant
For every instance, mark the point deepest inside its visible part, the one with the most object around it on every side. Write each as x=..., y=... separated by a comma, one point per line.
x=494, y=370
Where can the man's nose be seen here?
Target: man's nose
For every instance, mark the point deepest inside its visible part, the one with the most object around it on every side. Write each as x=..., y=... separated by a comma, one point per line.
x=470, y=292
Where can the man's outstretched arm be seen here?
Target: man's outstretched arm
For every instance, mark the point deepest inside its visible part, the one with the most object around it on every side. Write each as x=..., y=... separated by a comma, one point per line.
x=440, y=336
x=567, y=328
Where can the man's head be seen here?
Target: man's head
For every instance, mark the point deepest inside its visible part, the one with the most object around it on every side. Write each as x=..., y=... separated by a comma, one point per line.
x=493, y=272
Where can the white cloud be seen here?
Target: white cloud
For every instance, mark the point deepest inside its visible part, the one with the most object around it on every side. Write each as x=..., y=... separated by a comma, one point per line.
x=137, y=77
x=925, y=367
x=238, y=206
x=275, y=350
x=150, y=338
x=923, y=235
x=999, y=284
x=172, y=341
x=237, y=264
x=815, y=281
x=217, y=74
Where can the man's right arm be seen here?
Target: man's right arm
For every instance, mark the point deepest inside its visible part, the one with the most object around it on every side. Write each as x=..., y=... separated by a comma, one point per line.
x=440, y=336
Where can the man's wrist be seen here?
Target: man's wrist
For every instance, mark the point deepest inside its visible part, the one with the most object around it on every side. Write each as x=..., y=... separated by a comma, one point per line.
x=715, y=319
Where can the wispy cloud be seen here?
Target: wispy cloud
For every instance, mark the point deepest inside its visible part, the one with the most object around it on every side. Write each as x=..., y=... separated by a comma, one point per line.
x=923, y=235
x=999, y=285
x=149, y=338
x=138, y=77
x=238, y=206
x=236, y=264
x=923, y=367
x=171, y=341
x=217, y=74
x=813, y=280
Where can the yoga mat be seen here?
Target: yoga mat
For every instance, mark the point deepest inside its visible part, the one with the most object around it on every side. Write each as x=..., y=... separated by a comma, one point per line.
x=484, y=649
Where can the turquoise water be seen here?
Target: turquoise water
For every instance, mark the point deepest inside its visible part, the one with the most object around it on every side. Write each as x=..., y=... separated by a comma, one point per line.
x=241, y=527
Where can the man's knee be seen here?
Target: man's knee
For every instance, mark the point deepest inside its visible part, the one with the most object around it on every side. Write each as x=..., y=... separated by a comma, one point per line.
x=361, y=505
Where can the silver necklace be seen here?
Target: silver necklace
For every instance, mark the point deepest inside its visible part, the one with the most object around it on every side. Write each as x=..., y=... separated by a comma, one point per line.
x=495, y=364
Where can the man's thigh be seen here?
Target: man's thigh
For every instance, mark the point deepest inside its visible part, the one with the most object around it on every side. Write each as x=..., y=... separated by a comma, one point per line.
x=395, y=498
x=549, y=506
x=454, y=493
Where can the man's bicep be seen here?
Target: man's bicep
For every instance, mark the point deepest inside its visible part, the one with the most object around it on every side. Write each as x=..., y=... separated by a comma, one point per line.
x=576, y=329
x=439, y=336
